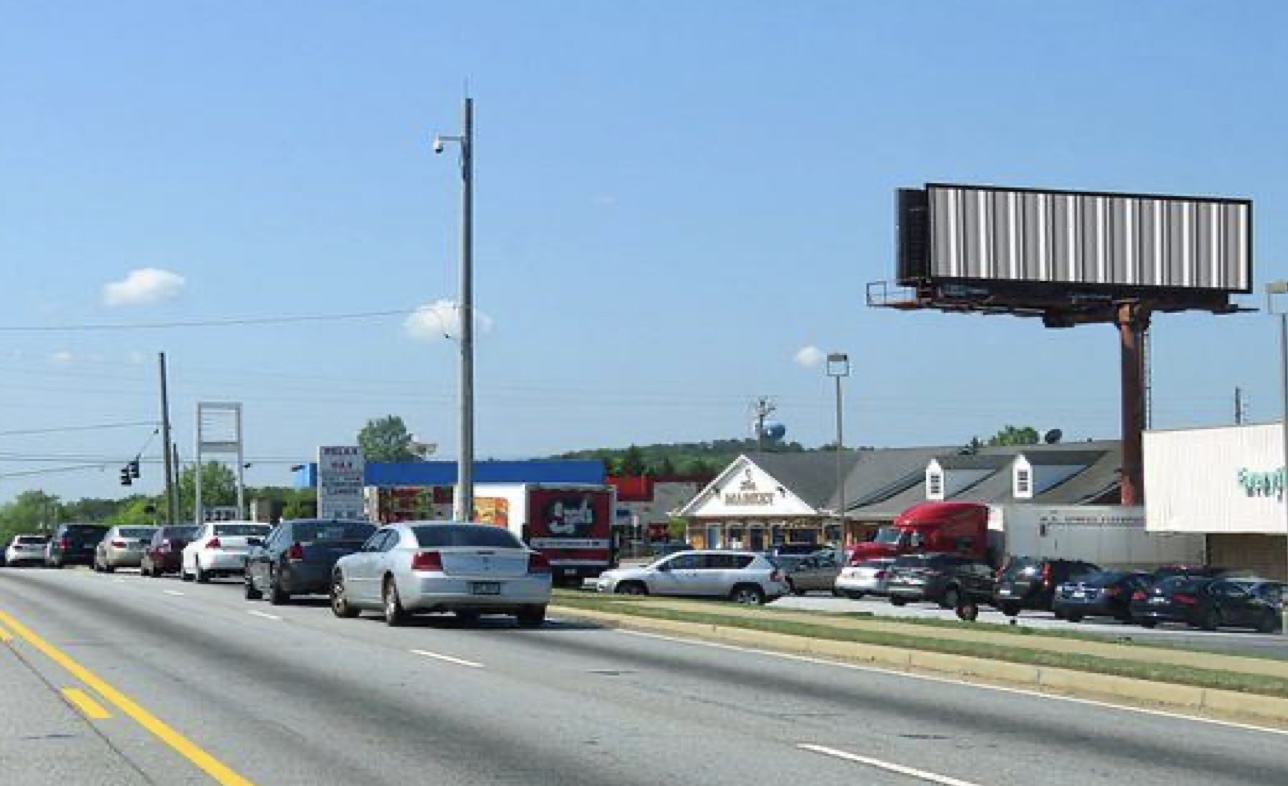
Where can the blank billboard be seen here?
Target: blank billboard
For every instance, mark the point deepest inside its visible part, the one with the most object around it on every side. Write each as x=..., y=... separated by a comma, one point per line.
x=956, y=232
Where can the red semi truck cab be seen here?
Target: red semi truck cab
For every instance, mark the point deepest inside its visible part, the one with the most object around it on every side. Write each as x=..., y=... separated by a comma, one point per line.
x=958, y=527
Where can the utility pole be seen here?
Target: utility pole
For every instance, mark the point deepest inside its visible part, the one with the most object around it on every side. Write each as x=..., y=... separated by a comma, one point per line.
x=171, y=507
x=463, y=506
x=1238, y=406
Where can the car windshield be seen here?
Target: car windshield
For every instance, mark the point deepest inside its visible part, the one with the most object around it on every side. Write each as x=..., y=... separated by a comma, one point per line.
x=241, y=530
x=439, y=535
x=890, y=536
x=1017, y=567
x=178, y=532
x=136, y=532
x=332, y=530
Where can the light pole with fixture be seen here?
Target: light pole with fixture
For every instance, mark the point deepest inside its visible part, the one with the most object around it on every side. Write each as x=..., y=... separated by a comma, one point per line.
x=838, y=367
x=1281, y=288
x=463, y=504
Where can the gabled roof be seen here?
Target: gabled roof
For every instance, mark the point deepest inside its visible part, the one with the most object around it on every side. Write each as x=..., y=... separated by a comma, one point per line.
x=974, y=461
x=810, y=476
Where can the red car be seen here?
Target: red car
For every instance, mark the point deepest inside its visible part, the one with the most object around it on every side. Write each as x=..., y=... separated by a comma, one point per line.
x=165, y=552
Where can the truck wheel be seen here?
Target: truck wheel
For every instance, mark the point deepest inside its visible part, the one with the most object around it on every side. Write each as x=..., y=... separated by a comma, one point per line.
x=952, y=598
x=531, y=616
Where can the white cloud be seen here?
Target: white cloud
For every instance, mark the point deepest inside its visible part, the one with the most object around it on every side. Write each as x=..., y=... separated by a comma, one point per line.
x=441, y=320
x=143, y=286
x=62, y=357
x=810, y=357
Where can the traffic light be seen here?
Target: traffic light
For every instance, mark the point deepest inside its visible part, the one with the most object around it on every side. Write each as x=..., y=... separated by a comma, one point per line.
x=134, y=468
x=125, y=476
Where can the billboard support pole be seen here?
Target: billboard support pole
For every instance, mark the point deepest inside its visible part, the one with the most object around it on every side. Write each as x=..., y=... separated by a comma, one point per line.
x=1133, y=321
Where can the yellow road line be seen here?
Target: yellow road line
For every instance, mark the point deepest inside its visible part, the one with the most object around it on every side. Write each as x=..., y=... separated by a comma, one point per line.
x=5, y=636
x=181, y=744
x=91, y=709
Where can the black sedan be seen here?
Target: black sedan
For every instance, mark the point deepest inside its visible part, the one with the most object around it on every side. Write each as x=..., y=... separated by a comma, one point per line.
x=1173, y=599
x=297, y=557
x=1106, y=593
x=1240, y=603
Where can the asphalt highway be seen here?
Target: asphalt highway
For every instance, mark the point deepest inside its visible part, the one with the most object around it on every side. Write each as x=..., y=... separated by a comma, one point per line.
x=190, y=684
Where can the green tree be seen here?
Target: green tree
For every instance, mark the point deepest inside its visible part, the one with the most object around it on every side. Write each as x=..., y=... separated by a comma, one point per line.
x=30, y=511
x=632, y=462
x=138, y=509
x=387, y=439
x=218, y=487
x=1014, y=435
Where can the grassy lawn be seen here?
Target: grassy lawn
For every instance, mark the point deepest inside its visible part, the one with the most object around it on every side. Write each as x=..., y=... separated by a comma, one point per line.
x=1013, y=651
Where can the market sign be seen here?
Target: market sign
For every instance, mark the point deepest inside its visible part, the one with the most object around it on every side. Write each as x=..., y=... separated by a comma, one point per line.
x=1262, y=484
x=340, y=481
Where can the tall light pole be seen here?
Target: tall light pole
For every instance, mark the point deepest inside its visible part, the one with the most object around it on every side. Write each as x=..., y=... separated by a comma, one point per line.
x=1281, y=288
x=463, y=504
x=838, y=367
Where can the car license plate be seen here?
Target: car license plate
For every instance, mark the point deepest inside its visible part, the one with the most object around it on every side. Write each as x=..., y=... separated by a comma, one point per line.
x=485, y=588
x=1004, y=591
x=1079, y=594
x=1158, y=600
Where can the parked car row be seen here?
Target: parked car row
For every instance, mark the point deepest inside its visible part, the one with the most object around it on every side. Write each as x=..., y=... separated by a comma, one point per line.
x=1202, y=597
x=399, y=569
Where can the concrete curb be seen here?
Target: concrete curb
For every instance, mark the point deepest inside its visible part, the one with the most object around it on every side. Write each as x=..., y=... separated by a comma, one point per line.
x=1205, y=702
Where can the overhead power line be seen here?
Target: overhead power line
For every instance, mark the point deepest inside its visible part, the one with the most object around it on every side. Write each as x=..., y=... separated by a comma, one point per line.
x=279, y=320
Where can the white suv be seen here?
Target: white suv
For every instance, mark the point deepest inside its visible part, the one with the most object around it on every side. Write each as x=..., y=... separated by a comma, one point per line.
x=742, y=576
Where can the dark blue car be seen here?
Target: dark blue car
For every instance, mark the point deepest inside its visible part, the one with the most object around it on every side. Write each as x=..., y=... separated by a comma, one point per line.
x=297, y=556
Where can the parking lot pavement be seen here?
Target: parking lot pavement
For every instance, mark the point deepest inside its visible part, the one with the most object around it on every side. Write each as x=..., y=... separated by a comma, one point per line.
x=1224, y=641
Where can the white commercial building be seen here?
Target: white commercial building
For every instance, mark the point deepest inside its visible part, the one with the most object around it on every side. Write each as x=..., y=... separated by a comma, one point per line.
x=1226, y=483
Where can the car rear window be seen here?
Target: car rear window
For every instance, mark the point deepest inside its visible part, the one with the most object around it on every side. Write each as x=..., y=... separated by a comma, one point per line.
x=333, y=530
x=137, y=532
x=439, y=535
x=31, y=540
x=84, y=530
x=241, y=530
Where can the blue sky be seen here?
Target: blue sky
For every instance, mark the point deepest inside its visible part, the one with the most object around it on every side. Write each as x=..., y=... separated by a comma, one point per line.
x=672, y=200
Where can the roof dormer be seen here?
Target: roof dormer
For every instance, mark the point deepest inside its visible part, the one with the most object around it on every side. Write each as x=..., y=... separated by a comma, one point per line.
x=948, y=476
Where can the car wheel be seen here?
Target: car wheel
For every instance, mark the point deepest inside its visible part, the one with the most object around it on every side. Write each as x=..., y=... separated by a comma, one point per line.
x=1074, y=618
x=1009, y=609
x=531, y=616
x=1211, y=619
x=252, y=593
x=340, y=605
x=109, y=567
x=276, y=595
x=395, y=614
x=952, y=597
x=852, y=595
x=791, y=587
x=836, y=593
x=467, y=616
x=748, y=595
x=896, y=601
x=1148, y=623
x=202, y=575
x=184, y=575
x=631, y=588
x=1269, y=623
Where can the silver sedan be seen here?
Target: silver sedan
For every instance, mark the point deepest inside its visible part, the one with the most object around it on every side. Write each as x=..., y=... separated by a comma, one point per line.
x=428, y=566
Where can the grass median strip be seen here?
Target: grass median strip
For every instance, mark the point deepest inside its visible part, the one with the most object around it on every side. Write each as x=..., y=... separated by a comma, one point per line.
x=1010, y=649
